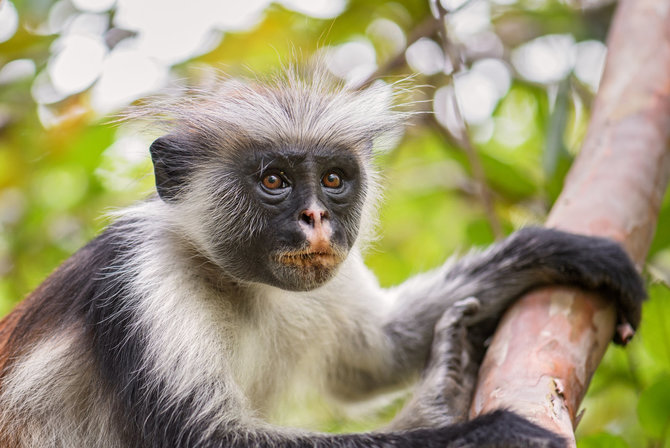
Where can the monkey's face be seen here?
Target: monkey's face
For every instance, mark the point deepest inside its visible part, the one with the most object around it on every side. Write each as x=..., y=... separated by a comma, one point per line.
x=269, y=181
x=301, y=219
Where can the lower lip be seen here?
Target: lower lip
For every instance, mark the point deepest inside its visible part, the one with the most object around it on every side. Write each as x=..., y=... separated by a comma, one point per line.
x=315, y=259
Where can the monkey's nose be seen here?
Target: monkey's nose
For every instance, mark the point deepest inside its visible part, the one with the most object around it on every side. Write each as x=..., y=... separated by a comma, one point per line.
x=313, y=217
x=315, y=224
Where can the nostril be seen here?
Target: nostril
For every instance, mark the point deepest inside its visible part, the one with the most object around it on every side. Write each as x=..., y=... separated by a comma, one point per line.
x=307, y=218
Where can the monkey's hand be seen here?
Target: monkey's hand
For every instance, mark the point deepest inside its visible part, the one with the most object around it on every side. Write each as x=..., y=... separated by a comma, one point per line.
x=534, y=257
x=593, y=263
x=442, y=398
x=445, y=390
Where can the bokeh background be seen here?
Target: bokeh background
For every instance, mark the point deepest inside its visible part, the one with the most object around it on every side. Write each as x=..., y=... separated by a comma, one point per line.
x=507, y=97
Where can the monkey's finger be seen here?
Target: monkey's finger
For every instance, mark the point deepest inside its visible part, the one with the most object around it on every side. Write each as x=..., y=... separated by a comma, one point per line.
x=468, y=306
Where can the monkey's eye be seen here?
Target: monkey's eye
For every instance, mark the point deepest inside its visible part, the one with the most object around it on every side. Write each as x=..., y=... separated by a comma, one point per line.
x=331, y=180
x=274, y=181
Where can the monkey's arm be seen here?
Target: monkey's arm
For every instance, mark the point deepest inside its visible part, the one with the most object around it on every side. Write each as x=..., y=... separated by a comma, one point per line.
x=499, y=429
x=178, y=425
x=496, y=277
x=214, y=414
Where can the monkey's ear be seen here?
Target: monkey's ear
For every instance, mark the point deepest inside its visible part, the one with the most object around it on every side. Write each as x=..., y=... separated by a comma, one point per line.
x=169, y=155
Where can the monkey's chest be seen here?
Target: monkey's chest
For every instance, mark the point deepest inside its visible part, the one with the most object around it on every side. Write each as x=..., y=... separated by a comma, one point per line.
x=269, y=364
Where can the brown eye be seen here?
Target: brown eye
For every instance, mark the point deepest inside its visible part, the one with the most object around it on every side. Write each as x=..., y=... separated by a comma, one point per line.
x=273, y=182
x=332, y=180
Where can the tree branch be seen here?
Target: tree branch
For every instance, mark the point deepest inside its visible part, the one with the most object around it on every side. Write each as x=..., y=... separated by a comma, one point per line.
x=548, y=345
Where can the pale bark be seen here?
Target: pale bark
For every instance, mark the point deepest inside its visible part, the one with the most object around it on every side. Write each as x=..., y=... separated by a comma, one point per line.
x=549, y=344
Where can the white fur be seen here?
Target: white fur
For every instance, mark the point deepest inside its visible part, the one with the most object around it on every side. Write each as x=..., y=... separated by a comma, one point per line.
x=51, y=398
x=243, y=345
x=252, y=348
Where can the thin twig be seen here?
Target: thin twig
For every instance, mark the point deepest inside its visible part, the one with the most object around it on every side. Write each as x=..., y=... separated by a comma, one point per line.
x=478, y=173
x=426, y=28
x=465, y=142
x=463, y=5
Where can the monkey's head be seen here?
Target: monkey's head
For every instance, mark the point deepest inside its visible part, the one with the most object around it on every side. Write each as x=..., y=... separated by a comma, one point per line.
x=275, y=183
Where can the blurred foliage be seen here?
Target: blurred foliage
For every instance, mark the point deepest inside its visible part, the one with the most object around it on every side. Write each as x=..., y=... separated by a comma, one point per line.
x=63, y=167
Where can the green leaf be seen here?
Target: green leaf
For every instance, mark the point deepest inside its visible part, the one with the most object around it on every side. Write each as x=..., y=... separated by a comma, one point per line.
x=662, y=236
x=602, y=440
x=653, y=409
x=655, y=328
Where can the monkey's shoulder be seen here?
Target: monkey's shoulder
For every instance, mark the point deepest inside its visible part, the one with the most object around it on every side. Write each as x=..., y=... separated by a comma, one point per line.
x=68, y=293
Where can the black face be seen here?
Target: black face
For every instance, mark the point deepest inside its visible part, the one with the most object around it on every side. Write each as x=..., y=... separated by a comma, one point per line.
x=307, y=208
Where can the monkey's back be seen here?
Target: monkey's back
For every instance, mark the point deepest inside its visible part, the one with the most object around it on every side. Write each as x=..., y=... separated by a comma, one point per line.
x=48, y=376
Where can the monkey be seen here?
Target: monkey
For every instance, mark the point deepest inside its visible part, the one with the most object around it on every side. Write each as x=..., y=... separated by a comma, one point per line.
x=199, y=309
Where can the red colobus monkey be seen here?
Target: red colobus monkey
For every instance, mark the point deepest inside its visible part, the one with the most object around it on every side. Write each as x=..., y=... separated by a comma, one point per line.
x=189, y=318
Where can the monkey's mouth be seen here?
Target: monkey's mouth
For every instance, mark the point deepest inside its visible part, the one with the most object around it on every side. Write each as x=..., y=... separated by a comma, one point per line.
x=309, y=258
x=308, y=268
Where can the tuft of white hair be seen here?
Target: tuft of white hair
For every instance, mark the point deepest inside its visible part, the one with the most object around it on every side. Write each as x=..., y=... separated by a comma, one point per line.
x=302, y=105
